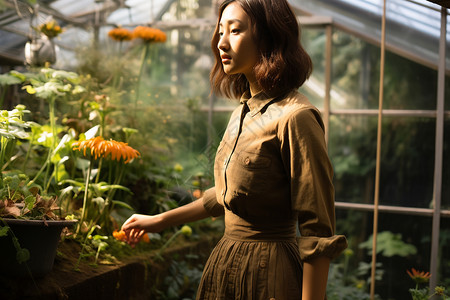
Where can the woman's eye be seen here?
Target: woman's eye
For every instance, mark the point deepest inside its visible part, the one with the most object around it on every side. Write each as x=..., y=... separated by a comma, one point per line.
x=220, y=33
x=235, y=30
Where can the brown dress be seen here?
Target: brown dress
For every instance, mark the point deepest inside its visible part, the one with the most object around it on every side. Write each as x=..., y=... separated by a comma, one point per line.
x=272, y=174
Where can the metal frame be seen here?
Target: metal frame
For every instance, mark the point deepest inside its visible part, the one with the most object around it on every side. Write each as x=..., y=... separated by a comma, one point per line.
x=439, y=152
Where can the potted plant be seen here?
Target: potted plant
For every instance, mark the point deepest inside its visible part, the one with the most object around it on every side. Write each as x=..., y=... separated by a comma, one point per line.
x=29, y=224
x=42, y=49
x=30, y=228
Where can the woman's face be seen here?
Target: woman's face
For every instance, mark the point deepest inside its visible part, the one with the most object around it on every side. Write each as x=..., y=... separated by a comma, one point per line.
x=237, y=48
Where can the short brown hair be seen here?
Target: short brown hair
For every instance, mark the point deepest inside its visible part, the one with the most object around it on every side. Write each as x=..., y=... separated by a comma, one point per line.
x=283, y=65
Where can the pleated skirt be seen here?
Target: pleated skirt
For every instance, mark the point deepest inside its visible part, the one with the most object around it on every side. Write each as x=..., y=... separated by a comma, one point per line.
x=252, y=270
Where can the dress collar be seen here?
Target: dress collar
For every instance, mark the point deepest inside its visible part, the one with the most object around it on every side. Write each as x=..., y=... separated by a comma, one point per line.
x=256, y=103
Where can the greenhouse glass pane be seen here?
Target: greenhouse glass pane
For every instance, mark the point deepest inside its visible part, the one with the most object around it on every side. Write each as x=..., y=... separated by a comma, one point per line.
x=352, y=149
x=446, y=167
x=403, y=242
x=407, y=161
x=137, y=12
x=356, y=76
x=363, y=18
x=355, y=73
x=409, y=84
x=314, y=41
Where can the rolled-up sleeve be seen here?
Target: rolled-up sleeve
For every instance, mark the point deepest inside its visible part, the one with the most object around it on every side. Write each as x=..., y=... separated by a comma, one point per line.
x=210, y=203
x=306, y=159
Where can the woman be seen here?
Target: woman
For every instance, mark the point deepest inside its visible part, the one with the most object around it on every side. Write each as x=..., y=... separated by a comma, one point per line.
x=272, y=171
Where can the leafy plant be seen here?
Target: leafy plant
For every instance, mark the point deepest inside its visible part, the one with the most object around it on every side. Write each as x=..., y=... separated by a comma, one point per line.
x=18, y=200
x=389, y=244
x=421, y=277
x=346, y=284
x=182, y=281
x=12, y=127
x=50, y=85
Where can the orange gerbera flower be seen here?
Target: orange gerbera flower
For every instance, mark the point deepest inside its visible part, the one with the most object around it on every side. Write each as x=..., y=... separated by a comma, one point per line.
x=149, y=34
x=419, y=276
x=101, y=148
x=120, y=34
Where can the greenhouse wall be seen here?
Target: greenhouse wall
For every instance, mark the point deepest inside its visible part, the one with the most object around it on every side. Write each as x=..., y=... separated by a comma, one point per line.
x=388, y=161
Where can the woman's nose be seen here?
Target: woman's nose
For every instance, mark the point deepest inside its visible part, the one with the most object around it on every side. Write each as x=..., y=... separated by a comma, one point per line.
x=223, y=43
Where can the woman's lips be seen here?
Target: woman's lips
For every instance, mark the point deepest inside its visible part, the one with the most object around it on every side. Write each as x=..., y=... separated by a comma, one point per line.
x=225, y=58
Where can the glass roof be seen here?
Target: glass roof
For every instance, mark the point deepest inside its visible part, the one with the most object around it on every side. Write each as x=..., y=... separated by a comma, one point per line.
x=412, y=26
x=78, y=18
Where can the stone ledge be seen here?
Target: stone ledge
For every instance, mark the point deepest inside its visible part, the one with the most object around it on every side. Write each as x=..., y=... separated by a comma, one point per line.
x=135, y=279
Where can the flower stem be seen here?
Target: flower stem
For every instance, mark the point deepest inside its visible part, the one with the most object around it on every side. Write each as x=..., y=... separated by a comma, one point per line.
x=85, y=198
x=169, y=241
x=28, y=151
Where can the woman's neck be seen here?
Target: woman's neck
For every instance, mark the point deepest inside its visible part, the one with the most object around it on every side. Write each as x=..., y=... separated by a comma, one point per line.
x=255, y=88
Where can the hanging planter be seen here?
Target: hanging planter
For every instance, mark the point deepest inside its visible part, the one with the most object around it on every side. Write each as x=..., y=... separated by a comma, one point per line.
x=39, y=237
x=41, y=48
x=40, y=51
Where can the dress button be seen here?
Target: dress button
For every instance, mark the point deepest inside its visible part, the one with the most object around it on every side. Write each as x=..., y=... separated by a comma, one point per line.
x=272, y=299
x=247, y=161
x=222, y=193
x=262, y=264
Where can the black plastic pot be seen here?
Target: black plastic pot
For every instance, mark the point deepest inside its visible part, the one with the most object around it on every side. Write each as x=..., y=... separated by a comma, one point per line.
x=40, y=238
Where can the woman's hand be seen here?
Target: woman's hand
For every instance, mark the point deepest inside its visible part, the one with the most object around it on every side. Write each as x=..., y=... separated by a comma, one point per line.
x=137, y=225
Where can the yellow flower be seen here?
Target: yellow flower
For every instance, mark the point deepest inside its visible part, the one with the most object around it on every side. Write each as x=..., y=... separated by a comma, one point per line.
x=51, y=29
x=186, y=230
x=120, y=34
x=149, y=35
x=178, y=168
x=419, y=276
x=439, y=290
x=101, y=148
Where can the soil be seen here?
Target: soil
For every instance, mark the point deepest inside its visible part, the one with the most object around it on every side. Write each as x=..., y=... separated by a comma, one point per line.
x=133, y=277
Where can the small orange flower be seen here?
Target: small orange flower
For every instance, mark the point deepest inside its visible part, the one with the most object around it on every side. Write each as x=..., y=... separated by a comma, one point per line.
x=120, y=34
x=149, y=35
x=119, y=235
x=419, y=276
x=145, y=238
x=101, y=148
x=197, y=194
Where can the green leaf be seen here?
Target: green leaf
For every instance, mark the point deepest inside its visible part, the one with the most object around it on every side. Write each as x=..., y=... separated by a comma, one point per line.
x=73, y=183
x=3, y=231
x=7, y=79
x=30, y=200
x=121, y=204
x=62, y=172
x=18, y=75
x=390, y=244
x=22, y=255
